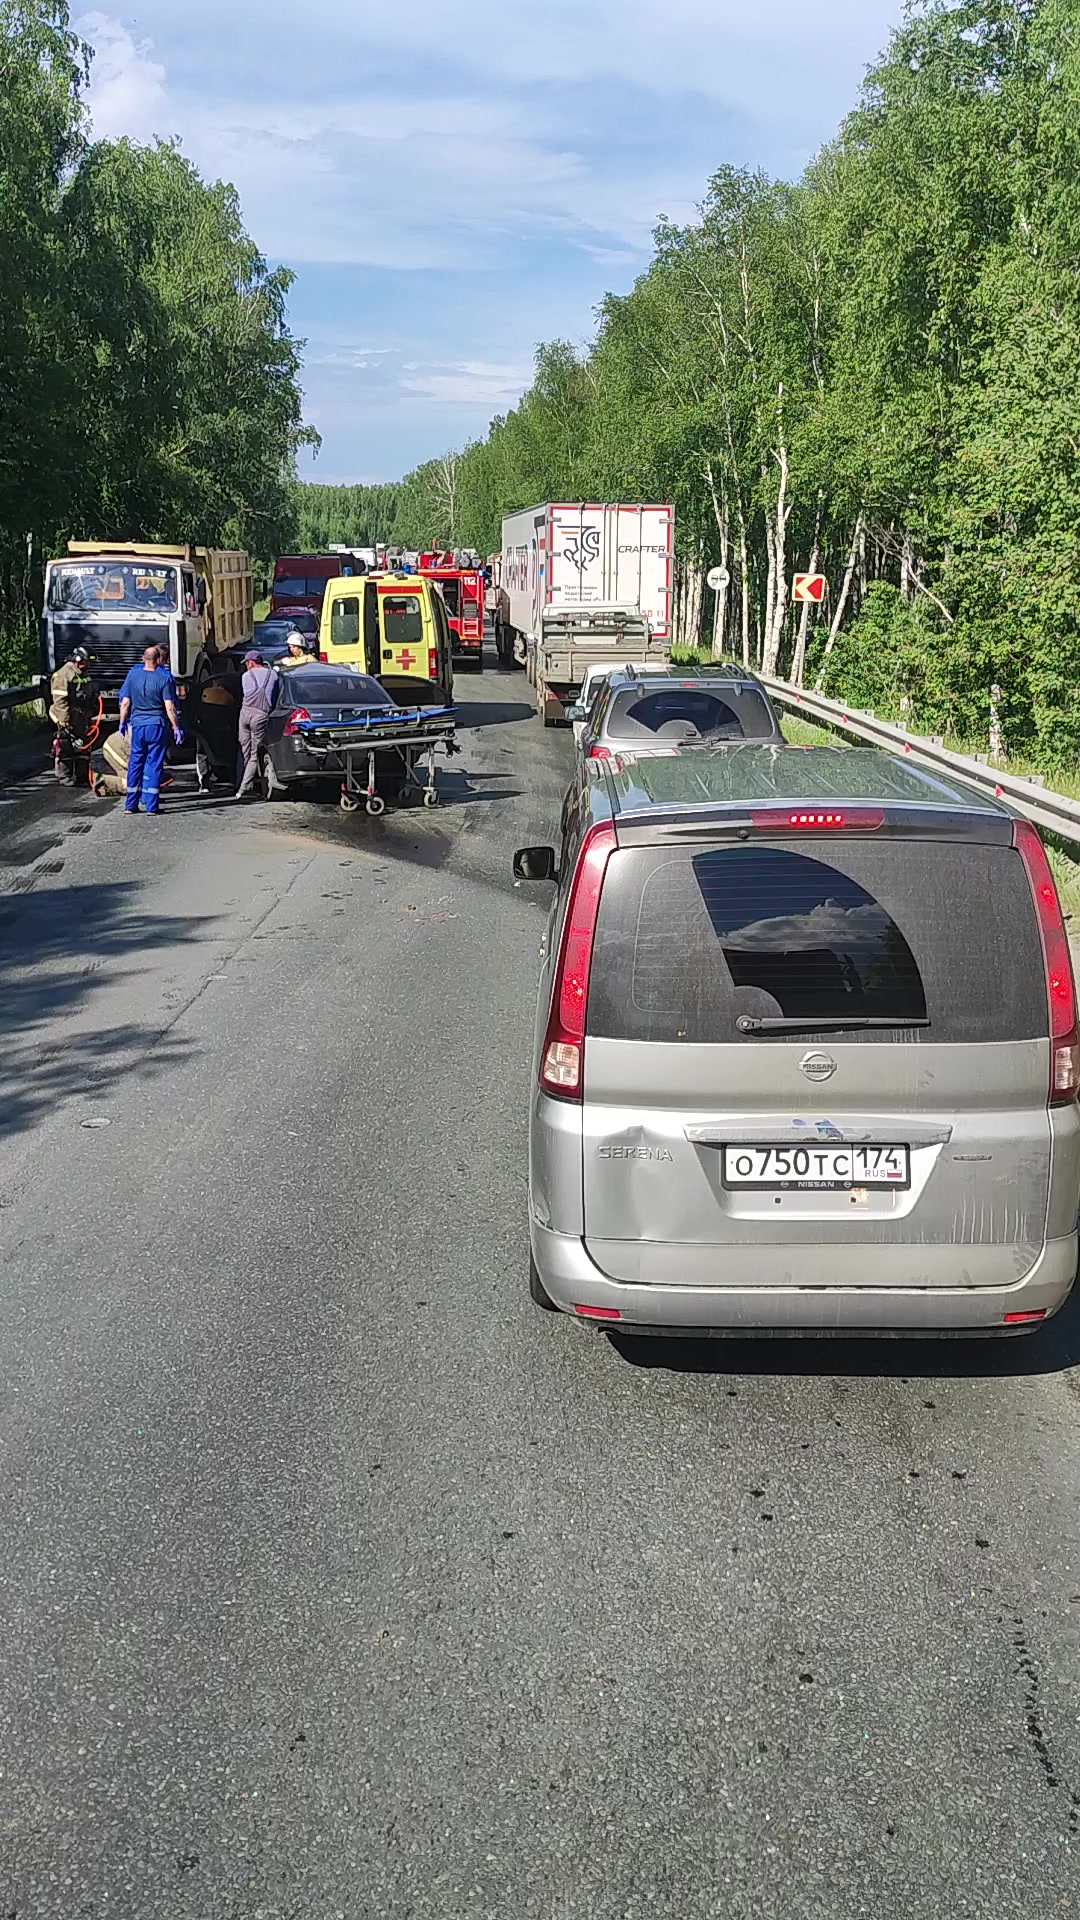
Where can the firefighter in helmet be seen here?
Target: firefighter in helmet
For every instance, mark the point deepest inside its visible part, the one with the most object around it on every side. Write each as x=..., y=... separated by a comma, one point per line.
x=70, y=695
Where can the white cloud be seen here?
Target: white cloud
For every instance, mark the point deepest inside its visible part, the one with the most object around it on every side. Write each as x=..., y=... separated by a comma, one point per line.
x=354, y=358
x=127, y=88
x=506, y=163
x=467, y=382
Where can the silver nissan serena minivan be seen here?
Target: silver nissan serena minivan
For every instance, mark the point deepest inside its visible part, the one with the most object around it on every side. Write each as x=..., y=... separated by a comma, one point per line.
x=806, y=1051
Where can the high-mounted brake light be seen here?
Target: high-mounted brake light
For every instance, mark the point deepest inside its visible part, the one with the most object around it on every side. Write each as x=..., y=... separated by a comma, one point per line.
x=560, y=1067
x=818, y=819
x=292, y=724
x=1060, y=989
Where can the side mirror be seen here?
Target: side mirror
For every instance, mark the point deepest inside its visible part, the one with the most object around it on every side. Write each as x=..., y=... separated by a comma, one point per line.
x=535, y=863
x=576, y=713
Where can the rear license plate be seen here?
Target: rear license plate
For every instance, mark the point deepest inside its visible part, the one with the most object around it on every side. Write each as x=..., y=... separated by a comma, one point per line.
x=817, y=1169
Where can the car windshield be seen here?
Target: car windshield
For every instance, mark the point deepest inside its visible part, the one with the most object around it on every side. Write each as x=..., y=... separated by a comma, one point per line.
x=335, y=690
x=112, y=586
x=690, y=713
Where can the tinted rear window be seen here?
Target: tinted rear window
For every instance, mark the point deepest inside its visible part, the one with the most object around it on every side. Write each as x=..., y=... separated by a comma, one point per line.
x=300, y=589
x=690, y=713
x=889, y=929
x=334, y=690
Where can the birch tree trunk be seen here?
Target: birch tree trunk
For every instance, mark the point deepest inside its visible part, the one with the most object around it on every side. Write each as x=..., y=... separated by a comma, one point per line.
x=723, y=597
x=798, y=665
x=770, y=594
x=744, y=583
x=841, y=605
x=774, y=627
x=723, y=527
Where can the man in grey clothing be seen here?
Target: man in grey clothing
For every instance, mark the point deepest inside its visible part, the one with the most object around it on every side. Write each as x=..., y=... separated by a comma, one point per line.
x=259, y=685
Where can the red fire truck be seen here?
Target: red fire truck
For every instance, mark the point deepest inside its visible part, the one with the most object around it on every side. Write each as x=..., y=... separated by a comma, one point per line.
x=462, y=588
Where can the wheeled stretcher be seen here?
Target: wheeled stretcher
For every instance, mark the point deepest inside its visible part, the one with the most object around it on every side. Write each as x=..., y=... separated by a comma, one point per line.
x=409, y=737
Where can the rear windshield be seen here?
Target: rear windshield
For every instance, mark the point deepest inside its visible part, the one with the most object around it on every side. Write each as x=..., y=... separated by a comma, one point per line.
x=690, y=713
x=300, y=589
x=334, y=690
x=284, y=623
x=900, y=930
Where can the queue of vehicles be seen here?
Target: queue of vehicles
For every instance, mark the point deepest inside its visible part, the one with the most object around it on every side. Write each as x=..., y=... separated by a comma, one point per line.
x=573, y=585
x=789, y=1074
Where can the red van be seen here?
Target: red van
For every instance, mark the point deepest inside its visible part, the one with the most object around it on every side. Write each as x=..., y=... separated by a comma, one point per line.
x=300, y=580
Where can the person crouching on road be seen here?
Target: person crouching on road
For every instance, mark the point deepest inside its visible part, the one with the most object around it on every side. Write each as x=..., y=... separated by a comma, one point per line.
x=148, y=707
x=260, y=685
x=297, y=655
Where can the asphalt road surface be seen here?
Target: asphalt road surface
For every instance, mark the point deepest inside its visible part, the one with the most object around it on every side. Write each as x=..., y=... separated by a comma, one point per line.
x=338, y=1580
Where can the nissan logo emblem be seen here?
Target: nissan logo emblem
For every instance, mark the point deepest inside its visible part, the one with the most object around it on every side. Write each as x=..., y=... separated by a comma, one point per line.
x=817, y=1066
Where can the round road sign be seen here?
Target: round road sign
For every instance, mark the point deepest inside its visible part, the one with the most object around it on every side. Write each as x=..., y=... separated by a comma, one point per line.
x=718, y=578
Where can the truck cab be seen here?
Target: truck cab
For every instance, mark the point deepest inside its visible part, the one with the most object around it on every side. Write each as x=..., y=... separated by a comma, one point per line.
x=117, y=600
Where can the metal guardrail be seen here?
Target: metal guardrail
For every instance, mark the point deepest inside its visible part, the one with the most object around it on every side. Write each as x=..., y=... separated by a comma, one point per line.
x=23, y=696
x=1048, y=809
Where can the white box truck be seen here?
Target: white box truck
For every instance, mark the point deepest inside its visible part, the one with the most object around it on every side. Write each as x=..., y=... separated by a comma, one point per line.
x=614, y=563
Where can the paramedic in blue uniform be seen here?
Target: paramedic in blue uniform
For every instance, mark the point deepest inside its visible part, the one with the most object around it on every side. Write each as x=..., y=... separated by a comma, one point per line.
x=148, y=706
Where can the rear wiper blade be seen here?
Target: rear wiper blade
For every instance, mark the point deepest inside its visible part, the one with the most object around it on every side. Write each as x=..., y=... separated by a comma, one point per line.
x=841, y=1023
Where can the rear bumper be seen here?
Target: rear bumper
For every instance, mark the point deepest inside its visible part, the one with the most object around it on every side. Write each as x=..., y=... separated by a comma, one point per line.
x=571, y=1279
x=291, y=761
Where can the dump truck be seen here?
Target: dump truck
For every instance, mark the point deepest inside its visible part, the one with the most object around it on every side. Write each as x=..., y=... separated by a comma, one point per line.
x=115, y=599
x=584, y=582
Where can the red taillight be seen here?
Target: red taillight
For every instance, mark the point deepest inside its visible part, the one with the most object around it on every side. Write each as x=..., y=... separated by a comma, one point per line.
x=1019, y=1319
x=292, y=724
x=599, y=753
x=432, y=663
x=818, y=819
x=598, y=1313
x=325, y=658
x=560, y=1068
x=1060, y=991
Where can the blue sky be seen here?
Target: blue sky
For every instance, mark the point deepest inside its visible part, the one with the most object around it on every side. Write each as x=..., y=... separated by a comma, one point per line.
x=454, y=184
